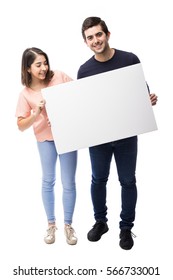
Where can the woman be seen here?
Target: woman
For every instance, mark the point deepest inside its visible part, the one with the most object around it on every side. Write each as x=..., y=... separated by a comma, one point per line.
x=36, y=75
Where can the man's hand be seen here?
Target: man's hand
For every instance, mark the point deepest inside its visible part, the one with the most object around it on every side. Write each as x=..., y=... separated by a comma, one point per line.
x=153, y=99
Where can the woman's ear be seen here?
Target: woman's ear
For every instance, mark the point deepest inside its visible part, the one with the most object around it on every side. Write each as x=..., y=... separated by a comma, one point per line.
x=108, y=35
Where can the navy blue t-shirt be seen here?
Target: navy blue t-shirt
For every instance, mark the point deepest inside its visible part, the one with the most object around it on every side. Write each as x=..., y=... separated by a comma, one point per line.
x=119, y=60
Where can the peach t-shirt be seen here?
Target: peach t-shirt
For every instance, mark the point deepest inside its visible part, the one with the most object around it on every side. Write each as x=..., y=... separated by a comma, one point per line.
x=28, y=101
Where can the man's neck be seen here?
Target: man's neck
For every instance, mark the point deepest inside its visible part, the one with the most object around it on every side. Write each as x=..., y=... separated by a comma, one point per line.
x=105, y=56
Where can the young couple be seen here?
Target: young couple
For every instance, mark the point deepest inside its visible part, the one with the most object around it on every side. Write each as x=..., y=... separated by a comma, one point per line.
x=36, y=74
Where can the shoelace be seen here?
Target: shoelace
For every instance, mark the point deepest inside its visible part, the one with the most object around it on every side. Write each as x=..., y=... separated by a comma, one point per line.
x=51, y=230
x=98, y=224
x=133, y=235
x=70, y=231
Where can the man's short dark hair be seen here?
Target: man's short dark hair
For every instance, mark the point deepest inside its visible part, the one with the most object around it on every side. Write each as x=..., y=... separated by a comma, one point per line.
x=94, y=21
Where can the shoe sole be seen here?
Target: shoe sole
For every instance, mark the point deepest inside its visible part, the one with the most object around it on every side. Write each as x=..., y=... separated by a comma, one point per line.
x=126, y=248
x=49, y=242
x=95, y=240
x=71, y=243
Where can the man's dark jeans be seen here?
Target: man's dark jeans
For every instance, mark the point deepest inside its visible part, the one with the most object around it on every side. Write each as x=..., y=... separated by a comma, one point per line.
x=125, y=154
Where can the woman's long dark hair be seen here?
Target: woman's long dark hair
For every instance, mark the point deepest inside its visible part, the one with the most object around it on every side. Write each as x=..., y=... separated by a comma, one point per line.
x=28, y=57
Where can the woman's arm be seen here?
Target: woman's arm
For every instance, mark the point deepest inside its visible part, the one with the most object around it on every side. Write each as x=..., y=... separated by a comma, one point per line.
x=25, y=123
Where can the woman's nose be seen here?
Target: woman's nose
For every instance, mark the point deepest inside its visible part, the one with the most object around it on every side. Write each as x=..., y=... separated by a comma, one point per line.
x=43, y=67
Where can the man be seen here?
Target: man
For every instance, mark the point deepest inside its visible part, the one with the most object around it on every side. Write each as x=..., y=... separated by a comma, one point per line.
x=96, y=36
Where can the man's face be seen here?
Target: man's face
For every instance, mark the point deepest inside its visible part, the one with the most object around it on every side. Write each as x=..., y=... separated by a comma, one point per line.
x=96, y=39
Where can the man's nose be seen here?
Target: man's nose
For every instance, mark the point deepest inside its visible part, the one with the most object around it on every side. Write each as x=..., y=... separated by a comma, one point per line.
x=95, y=39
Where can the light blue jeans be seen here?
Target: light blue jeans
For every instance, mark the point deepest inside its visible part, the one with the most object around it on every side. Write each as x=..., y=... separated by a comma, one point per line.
x=68, y=162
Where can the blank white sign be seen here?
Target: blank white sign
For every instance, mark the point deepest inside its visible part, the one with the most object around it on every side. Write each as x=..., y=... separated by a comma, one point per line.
x=99, y=109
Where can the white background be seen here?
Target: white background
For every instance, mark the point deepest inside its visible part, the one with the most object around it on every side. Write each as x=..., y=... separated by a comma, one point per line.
x=143, y=27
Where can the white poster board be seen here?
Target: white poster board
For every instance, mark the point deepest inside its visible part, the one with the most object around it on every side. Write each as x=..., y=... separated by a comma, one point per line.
x=99, y=109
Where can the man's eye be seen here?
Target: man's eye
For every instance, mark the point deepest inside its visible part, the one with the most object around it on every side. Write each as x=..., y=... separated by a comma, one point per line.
x=90, y=38
x=99, y=34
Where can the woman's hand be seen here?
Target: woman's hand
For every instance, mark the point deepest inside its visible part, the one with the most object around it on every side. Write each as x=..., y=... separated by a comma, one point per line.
x=40, y=107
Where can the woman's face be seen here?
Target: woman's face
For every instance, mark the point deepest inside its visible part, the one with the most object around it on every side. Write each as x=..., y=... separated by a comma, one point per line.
x=38, y=68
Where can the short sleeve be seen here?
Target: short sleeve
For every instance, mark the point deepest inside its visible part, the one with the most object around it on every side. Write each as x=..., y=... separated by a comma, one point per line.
x=23, y=108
